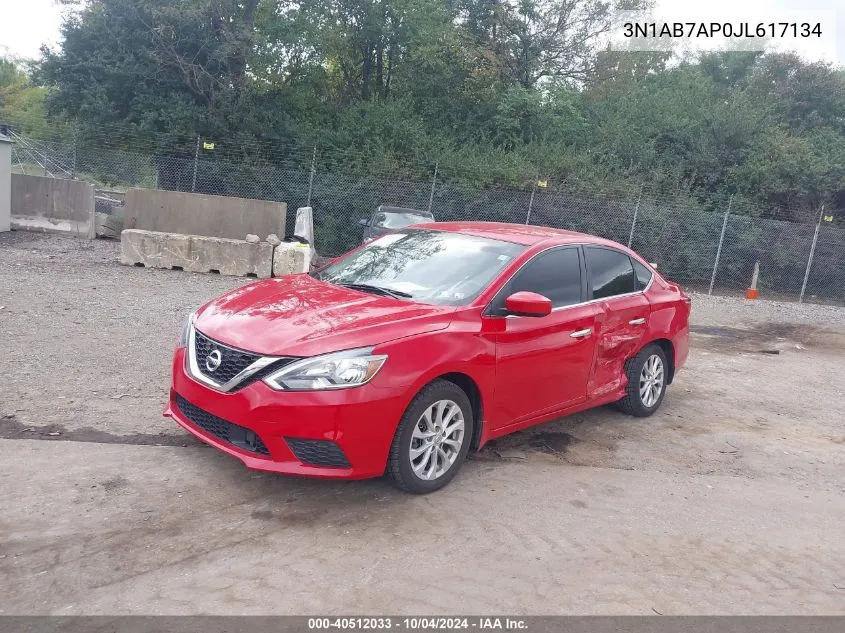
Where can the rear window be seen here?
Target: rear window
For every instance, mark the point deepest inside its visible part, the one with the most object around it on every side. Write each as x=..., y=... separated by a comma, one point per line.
x=611, y=272
x=642, y=273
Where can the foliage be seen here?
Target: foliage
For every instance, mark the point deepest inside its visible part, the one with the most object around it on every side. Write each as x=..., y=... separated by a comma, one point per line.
x=22, y=101
x=495, y=92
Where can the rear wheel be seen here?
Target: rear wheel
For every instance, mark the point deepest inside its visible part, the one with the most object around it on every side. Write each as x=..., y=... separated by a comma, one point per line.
x=647, y=373
x=432, y=439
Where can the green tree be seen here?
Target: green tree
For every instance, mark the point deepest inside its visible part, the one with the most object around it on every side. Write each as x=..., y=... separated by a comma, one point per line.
x=22, y=102
x=495, y=91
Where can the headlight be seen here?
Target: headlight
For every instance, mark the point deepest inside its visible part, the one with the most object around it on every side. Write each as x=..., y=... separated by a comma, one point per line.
x=340, y=370
x=186, y=329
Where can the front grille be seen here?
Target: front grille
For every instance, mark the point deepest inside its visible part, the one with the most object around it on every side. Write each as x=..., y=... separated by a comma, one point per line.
x=236, y=435
x=318, y=452
x=232, y=361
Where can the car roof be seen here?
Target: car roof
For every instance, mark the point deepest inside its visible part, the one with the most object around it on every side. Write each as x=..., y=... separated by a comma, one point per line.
x=525, y=234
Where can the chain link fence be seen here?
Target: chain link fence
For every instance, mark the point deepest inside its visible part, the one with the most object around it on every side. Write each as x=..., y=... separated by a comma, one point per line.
x=800, y=259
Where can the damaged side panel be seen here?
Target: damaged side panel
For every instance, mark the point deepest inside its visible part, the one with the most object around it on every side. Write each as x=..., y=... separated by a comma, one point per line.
x=620, y=336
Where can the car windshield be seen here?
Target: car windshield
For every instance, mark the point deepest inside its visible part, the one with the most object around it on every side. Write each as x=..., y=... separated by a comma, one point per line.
x=398, y=220
x=434, y=267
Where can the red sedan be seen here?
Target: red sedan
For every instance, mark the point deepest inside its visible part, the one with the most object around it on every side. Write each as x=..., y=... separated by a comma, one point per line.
x=405, y=354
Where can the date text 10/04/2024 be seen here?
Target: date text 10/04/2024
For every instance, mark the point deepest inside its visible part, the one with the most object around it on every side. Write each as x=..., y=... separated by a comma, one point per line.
x=417, y=623
x=721, y=29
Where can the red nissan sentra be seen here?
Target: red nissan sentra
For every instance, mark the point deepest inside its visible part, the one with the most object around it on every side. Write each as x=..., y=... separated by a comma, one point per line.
x=403, y=355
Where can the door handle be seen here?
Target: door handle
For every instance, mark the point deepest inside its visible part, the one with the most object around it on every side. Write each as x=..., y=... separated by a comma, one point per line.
x=639, y=321
x=582, y=333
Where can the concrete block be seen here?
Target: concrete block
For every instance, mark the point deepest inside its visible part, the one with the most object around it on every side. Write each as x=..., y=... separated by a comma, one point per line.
x=304, y=226
x=290, y=258
x=201, y=214
x=52, y=205
x=107, y=225
x=196, y=253
x=5, y=183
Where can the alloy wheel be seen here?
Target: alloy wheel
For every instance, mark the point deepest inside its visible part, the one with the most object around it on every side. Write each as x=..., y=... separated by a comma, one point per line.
x=651, y=380
x=437, y=440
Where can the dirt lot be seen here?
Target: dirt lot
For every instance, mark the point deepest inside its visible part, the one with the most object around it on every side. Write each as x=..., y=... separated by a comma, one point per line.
x=730, y=500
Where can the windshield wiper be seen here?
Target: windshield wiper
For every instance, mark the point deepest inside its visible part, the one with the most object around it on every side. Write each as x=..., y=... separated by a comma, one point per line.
x=396, y=294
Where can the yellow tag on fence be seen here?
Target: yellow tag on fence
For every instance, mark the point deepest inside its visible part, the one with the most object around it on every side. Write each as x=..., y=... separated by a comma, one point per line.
x=207, y=145
x=543, y=183
x=828, y=218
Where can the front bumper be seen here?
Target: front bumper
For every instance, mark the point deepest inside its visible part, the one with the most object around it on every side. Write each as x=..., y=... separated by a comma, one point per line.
x=297, y=432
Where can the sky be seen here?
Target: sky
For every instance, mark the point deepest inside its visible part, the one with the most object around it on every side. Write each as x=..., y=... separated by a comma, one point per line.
x=27, y=24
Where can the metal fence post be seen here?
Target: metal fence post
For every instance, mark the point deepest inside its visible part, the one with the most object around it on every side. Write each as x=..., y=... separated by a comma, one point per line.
x=719, y=249
x=311, y=175
x=73, y=165
x=433, y=184
x=636, y=213
x=196, y=161
x=810, y=258
x=531, y=199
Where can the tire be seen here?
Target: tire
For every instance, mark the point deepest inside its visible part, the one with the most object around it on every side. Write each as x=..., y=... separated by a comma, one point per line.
x=438, y=398
x=635, y=403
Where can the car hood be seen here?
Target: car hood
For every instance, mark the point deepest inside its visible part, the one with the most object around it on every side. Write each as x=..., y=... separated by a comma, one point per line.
x=298, y=315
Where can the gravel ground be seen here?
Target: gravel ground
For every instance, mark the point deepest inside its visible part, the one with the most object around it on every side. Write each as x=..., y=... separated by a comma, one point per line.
x=729, y=500
x=713, y=310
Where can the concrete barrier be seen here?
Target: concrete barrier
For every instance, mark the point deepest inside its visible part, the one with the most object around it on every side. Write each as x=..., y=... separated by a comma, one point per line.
x=52, y=205
x=5, y=181
x=290, y=258
x=200, y=214
x=304, y=226
x=196, y=253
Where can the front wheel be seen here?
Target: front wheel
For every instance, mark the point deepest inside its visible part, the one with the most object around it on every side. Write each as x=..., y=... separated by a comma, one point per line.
x=647, y=373
x=432, y=439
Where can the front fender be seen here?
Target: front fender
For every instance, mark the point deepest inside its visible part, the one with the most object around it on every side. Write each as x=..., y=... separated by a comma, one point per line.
x=415, y=361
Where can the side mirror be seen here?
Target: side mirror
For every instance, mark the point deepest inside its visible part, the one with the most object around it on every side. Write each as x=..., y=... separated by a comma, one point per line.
x=364, y=222
x=528, y=304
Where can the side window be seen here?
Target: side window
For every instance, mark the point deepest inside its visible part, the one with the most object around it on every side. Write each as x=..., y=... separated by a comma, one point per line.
x=643, y=274
x=611, y=272
x=555, y=274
